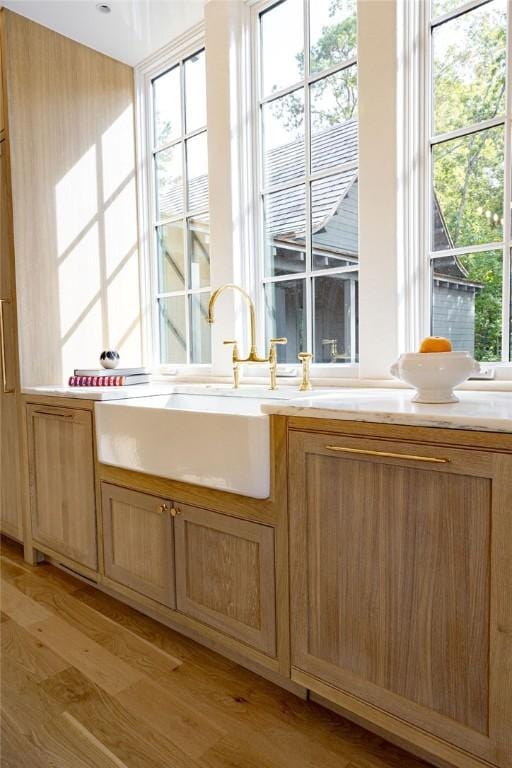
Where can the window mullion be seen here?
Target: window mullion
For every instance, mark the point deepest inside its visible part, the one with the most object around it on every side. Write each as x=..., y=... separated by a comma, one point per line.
x=338, y=67
x=507, y=202
x=179, y=140
x=464, y=249
x=184, y=165
x=470, y=5
x=275, y=95
x=467, y=130
x=187, y=289
x=307, y=190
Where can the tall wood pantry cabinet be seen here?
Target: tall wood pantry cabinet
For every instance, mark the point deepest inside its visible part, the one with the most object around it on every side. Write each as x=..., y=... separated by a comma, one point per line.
x=10, y=405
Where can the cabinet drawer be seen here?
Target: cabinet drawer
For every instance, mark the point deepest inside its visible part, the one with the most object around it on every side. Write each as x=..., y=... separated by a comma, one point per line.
x=61, y=465
x=138, y=542
x=225, y=575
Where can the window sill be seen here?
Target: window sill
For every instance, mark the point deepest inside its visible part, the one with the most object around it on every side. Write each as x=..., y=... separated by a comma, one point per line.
x=202, y=374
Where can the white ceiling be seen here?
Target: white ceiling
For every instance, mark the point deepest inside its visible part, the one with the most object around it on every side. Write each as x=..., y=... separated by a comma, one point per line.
x=132, y=31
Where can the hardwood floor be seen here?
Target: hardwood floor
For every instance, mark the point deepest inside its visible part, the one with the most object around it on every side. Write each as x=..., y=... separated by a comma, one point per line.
x=87, y=682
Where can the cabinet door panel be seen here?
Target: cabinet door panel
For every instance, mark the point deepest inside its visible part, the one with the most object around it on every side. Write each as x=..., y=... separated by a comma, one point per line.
x=391, y=579
x=138, y=542
x=61, y=460
x=225, y=575
x=10, y=485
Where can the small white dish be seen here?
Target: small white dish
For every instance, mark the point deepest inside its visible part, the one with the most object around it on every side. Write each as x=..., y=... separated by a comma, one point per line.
x=434, y=374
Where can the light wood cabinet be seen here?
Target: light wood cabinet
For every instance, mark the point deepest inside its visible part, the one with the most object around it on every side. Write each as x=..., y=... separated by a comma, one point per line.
x=2, y=105
x=10, y=474
x=400, y=560
x=138, y=542
x=61, y=469
x=225, y=575
x=216, y=569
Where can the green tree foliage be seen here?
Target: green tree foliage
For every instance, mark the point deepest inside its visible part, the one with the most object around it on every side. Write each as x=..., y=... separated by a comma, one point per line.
x=486, y=269
x=333, y=99
x=469, y=67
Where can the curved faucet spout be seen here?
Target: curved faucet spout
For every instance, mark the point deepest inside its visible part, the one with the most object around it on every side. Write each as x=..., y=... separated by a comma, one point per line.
x=253, y=355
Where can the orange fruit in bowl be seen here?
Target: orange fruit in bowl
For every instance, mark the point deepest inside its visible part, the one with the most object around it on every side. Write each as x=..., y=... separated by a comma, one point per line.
x=435, y=344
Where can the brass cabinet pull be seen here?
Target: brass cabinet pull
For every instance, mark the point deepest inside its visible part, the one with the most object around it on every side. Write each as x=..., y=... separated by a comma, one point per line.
x=54, y=414
x=7, y=390
x=388, y=454
x=163, y=508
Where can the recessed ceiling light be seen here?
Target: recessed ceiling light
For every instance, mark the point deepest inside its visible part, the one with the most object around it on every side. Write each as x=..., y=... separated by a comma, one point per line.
x=103, y=8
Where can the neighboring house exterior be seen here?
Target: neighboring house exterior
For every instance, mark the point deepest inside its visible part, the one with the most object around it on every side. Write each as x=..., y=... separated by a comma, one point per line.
x=334, y=221
x=334, y=213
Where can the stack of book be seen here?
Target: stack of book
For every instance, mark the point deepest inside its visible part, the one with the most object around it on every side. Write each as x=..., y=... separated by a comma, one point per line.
x=117, y=377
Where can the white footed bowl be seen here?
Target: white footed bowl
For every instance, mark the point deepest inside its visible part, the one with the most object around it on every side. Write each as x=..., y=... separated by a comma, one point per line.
x=434, y=374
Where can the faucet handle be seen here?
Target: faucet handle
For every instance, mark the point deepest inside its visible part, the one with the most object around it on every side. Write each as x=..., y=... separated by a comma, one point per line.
x=236, y=361
x=272, y=347
x=234, y=342
x=272, y=359
x=305, y=358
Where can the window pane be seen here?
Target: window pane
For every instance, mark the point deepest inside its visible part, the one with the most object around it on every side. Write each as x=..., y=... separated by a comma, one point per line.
x=286, y=316
x=467, y=302
x=333, y=103
x=283, y=139
x=334, y=221
x=171, y=257
x=169, y=182
x=200, y=333
x=468, y=190
x=333, y=32
x=199, y=251
x=285, y=225
x=335, y=318
x=197, y=172
x=282, y=46
x=173, y=344
x=469, y=67
x=195, y=92
x=167, y=106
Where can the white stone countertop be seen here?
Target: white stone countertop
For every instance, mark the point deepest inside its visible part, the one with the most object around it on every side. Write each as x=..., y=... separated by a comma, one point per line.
x=481, y=411
x=489, y=411
x=101, y=393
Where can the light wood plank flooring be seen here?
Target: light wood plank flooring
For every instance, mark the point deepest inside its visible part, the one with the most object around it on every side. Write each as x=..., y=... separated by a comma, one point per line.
x=87, y=682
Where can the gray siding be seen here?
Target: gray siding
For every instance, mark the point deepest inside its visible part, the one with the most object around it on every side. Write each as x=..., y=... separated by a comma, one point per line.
x=453, y=315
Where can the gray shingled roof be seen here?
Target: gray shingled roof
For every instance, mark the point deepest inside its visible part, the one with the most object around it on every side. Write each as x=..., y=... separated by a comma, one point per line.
x=285, y=210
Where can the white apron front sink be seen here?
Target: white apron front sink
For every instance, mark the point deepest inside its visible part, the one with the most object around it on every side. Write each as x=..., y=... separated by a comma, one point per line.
x=217, y=441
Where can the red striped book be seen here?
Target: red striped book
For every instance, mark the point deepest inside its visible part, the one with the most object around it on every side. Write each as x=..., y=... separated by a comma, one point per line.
x=107, y=380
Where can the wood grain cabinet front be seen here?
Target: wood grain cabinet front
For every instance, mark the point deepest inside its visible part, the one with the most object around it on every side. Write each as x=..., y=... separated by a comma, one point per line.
x=400, y=587
x=225, y=575
x=61, y=466
x=138, y=542
x=211, y=567
x=10, y=475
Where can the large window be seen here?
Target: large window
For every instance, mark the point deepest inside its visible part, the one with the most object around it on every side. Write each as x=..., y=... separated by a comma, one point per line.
x=180, y=226
x=308, y=176
x=469, y=180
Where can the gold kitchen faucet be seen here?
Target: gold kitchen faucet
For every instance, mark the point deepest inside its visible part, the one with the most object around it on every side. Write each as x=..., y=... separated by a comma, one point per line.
x=253, y=356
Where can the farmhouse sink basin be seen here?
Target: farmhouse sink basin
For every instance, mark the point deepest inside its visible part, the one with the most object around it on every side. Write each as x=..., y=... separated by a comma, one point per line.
x=214, y=440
